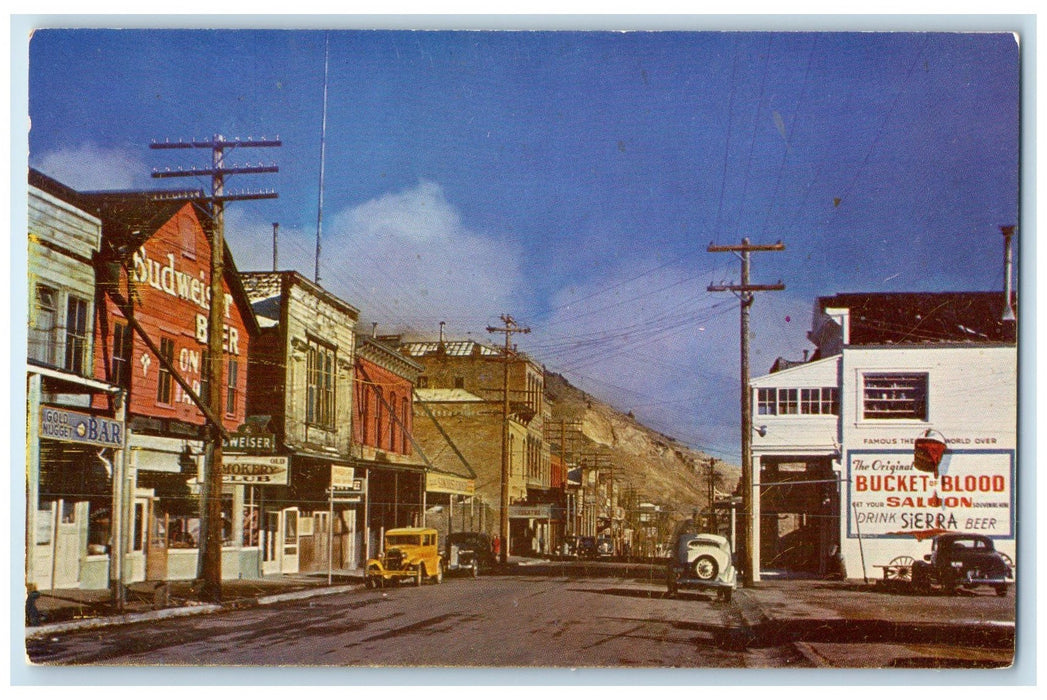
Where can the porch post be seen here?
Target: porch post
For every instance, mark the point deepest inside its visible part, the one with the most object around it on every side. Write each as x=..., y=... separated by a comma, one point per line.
x=32, y=502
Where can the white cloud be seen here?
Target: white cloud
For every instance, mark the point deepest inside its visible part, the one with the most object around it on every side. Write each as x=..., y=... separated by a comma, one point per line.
x=89, y=167
x=405, y=259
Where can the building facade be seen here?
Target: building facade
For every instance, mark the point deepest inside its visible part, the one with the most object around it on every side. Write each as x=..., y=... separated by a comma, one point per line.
x=301, y=374
x=462, y=385
x=75, y=447
x=837, y=489
x=151, y=339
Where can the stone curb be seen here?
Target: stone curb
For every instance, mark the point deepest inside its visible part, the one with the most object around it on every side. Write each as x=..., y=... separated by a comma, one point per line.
x=182, y=611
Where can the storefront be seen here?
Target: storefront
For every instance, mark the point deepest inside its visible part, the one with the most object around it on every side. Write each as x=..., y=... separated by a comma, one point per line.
x=74, y=459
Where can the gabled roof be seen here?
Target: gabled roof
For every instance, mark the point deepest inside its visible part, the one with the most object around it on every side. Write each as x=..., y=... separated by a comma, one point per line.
x=916, y=318
x=130, y=218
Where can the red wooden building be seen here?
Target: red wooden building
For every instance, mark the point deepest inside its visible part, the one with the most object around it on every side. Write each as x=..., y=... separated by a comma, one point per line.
x=154, y=267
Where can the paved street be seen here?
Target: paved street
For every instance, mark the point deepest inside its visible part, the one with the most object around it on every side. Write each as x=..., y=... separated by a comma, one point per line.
x=550, y=620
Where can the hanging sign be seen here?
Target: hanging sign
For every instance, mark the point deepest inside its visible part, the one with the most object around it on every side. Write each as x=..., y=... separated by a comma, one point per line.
x=257, y=470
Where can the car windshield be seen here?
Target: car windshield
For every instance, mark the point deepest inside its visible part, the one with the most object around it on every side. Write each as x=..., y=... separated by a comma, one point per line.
x=393, y=540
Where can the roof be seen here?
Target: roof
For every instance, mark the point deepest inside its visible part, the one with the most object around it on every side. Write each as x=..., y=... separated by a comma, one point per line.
x=263, y=286
x=914, y=318
x=450, y=348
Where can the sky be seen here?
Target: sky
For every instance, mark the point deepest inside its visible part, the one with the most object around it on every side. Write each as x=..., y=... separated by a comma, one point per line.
x=572, y=179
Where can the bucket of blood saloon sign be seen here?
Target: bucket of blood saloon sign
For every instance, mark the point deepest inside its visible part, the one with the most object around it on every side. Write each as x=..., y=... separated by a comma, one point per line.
x=973, y=492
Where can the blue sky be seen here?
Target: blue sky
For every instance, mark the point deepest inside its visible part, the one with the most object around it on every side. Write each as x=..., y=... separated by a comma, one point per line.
x=574, y=179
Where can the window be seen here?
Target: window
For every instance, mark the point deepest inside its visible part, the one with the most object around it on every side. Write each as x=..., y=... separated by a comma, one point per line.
x=42, y=341
x=405, y=414
x=378, y=402
x=808, y=402
x=423, y=382
x=459, y=382
x=121, y=360
x=76, y=335
x=392, y=422
x=892, y=396
x=319, y=406
x=767, y=402
x=163, y=386
x=230, y=390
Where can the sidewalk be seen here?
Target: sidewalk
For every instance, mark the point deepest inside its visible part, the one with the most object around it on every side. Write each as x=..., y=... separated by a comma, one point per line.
x=69, y=609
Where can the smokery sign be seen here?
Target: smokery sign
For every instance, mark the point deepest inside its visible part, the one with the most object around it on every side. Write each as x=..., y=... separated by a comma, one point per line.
x=890, y=498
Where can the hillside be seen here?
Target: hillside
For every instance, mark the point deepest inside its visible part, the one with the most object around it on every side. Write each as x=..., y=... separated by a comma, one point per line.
x=660, y=469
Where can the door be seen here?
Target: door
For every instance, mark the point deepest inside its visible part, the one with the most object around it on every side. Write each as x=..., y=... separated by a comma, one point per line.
x=156, y=547
x=138, y=540
x=71, y=530
x=271, y=538
x=280, y=547
x=289, y=556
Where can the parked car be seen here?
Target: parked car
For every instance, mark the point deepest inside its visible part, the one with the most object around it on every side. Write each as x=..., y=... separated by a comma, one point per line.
x=586, y=548
x=701, y=562
x=604, y=547
x=960, y=560
x=471, y=552
x=409, y=554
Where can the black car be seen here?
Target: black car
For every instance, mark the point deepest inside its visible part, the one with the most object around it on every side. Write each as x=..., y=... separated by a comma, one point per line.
x=471, y=552
x=962, y=561
x=586, y=548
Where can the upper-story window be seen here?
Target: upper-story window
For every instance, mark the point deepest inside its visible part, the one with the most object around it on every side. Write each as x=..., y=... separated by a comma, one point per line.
x=121, y=360
x=76, y=335
x=775, y=401
x=163, y=385
x=320, y=394
x=43, y=342
x=230, y=389
x=894, y=395
x=392, y=422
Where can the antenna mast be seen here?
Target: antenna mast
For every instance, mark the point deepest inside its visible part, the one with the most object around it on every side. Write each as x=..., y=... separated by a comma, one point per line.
x=323, y=143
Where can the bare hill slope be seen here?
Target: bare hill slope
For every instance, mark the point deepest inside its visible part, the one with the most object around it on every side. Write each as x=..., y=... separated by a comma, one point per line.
x=660, y=469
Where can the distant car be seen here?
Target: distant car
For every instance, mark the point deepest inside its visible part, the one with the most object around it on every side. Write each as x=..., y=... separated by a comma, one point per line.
x=410, y=554
x=604, y=547
x=586, y=548
x=471, y=552
x=701, y=562
x=962, y=561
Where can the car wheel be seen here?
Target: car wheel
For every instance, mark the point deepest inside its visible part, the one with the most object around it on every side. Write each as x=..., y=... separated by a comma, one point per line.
x=439, y=578
x=706, y=568
x=1001, y=590
x=419, y=575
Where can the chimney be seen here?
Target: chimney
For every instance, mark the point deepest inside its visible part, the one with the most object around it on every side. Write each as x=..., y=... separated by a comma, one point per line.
x=805, y=353
x=1008, y=309
x=374, y=329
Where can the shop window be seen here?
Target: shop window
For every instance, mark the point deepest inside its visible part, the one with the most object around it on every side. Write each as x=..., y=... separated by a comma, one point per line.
x=42, y=324
x=163, y=386
x=251, y=538
x=121, y=360
x=894, y=396
x=230, y=390
x=320, y=406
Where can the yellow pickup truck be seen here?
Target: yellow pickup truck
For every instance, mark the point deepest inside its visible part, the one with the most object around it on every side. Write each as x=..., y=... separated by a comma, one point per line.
x=410, y=554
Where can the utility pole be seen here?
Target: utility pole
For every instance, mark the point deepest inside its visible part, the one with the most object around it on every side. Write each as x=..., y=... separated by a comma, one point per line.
x=503, y=526
x=744, y=292
x=276, y=230
x=211, y=555
x=710, y=475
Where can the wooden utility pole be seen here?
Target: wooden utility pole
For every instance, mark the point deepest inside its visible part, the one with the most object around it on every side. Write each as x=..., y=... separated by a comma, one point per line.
x=710, y=475
x=744, y=292
x=503, y=527
x=211, y=555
